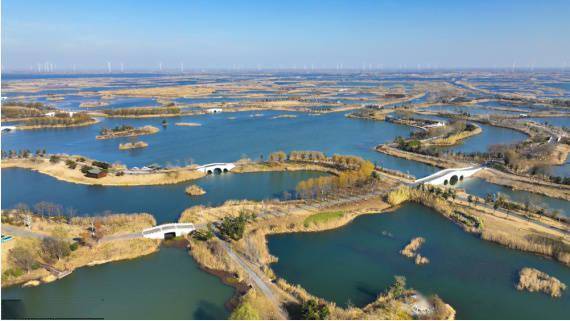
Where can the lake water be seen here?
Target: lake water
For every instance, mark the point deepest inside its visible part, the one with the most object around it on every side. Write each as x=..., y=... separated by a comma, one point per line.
x=164, y=202
x=490, y=136
x=225, y=138
x=552, y=121
x=481, y=188
x=164, y=285
x=356, y=262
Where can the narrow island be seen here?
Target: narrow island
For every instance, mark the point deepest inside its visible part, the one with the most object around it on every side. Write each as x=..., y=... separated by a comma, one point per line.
x=133, y=145
x=126, y=131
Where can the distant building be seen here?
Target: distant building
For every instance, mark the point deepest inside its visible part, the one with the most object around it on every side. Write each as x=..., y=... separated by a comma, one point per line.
x=394, y=95
x=438, y=124
x=95, y=173
x=50, y=114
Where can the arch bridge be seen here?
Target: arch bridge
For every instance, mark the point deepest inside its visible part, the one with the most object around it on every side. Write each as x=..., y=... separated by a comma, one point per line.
x=450, y=176
x=216, y=168
x=168, y=231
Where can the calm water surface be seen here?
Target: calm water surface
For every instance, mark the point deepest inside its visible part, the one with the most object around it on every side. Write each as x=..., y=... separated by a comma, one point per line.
x=164, y=285
x=356, y=262
x=164, y=202
x=490, y=136
x=481, y=188
x=224, y=138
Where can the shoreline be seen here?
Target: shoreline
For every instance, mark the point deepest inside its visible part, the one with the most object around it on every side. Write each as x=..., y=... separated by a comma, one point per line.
x=90, y=253
x=61, y=172
x=34, y=127
x=255, y=238
x=515, y=182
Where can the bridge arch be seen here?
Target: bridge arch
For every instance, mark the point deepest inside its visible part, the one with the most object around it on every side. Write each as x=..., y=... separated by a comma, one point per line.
x=216, y=168
x=450, y=176
x=453, y=180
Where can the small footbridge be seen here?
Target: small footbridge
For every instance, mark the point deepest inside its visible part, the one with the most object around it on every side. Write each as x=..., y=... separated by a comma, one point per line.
x=448, y=176
x=216, y=168
x=167, y=231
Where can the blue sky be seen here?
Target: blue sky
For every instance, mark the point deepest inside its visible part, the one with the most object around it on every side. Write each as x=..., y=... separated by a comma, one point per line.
x=251, y=34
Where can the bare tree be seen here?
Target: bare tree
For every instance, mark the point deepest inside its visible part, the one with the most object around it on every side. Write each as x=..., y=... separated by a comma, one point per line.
x=22, y=258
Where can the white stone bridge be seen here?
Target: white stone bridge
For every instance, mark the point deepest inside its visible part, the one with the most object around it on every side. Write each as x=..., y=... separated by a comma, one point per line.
x=216, y=168
x=170, y=230
x=448, y=176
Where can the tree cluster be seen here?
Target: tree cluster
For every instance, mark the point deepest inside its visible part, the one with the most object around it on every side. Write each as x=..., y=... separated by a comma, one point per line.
x=234, y=227
x=142, y=111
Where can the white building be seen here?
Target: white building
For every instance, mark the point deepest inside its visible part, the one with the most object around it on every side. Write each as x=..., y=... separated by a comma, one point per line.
x=438, y=124
x=214, y=110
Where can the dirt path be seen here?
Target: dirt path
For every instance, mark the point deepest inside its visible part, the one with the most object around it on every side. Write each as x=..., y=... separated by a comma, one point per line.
x=257, y=278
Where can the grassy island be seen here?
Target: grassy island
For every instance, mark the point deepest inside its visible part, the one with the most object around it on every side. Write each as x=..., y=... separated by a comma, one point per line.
x=49, y=245
x=15, y=110
x=194, y=190
x=516, y=230
x=163, y=92
x=93, y=104
x=126, y=131
x=142, y=112
x=74, y=169
x=133, y=145
x=534, y=280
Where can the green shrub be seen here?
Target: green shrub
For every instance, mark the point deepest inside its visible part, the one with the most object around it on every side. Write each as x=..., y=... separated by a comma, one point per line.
x=13, y=273
x=312, y=310
x=54, y=159
x=322, y=217
x=245, y=312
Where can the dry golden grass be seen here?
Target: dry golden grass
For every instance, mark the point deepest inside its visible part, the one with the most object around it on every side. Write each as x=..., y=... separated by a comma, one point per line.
x=525, y=184
x=385, y=307
x=140, y=131
x=430, y=160
x=92, y=254
x=455, y=139
x=117, y=223
x=163, y=92
x=255, y=306
x=529, y=243
x=194, y=190
x=210, y=255
x=135, y=145
x=63, y=173
x=252, y=167
x=534, y=280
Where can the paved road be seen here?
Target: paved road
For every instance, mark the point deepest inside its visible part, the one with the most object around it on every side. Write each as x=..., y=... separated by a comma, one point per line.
x=22, y=232
x=505, y=212
x=264, y=286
